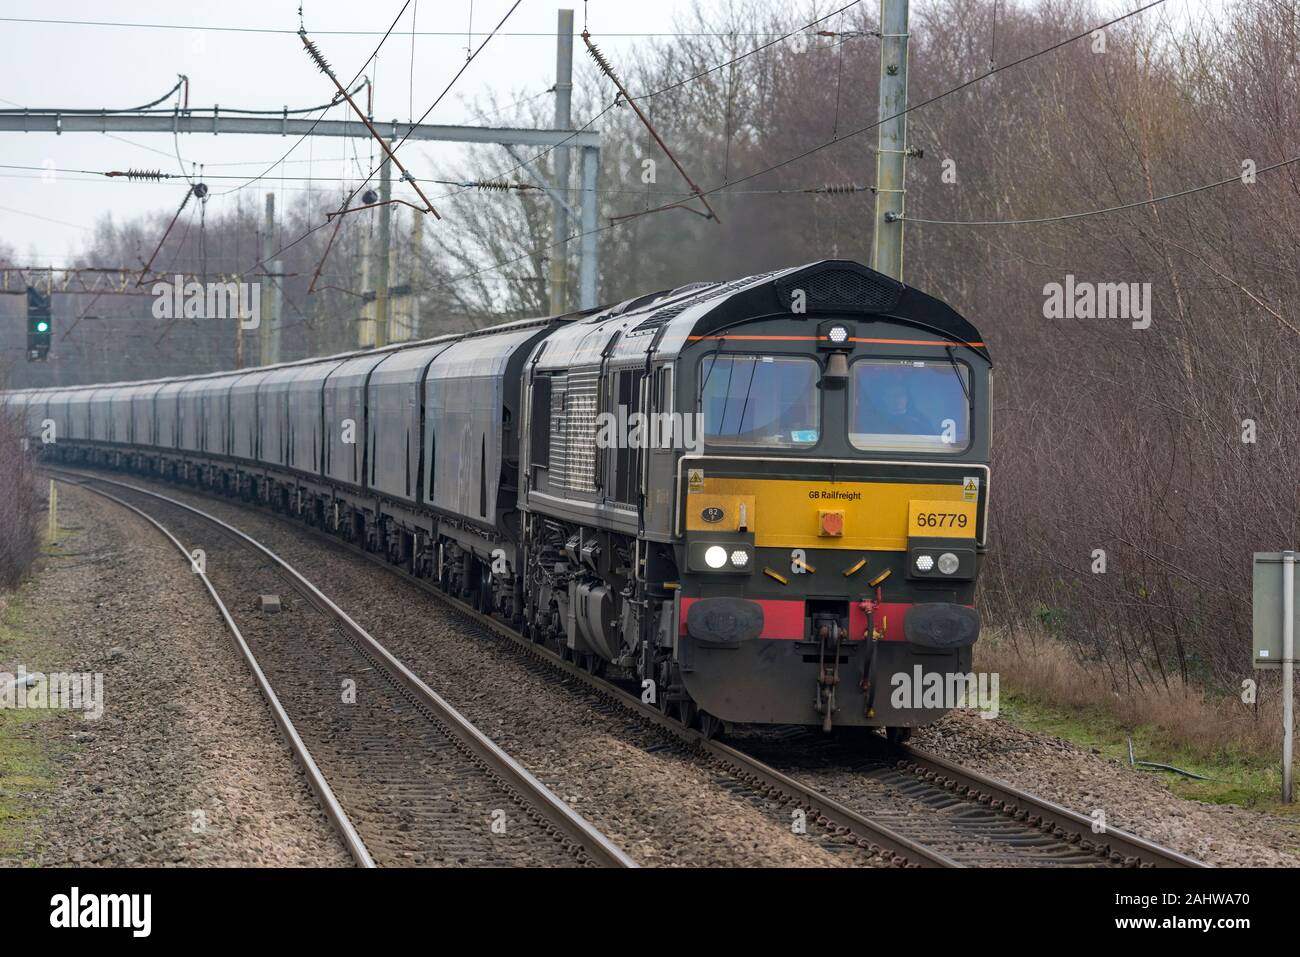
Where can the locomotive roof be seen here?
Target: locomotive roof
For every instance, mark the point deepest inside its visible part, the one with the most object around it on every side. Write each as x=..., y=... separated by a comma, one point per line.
x=665, y=321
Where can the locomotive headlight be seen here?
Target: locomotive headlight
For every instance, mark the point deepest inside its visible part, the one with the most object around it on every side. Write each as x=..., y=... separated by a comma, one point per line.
x=720, y=558
x=835, y=335
x=938, y=560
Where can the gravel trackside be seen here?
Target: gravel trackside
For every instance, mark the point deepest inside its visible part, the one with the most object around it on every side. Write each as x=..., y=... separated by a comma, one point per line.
x=186, y=766
x=1138, y=802
x=661, y=804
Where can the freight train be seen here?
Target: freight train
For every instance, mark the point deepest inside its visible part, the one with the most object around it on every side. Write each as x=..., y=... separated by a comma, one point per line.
x=758, y=500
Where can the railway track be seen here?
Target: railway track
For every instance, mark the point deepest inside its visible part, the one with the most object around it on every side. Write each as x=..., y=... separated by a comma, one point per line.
x=900, y=804
x=986, y=822
x=402, y=776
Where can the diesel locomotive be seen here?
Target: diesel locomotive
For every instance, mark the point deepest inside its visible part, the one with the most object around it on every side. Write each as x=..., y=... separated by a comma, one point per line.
x=758, y=500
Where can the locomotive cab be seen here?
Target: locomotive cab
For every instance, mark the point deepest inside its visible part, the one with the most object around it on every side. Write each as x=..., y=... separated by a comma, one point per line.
x=763, y=500
x=832, y=522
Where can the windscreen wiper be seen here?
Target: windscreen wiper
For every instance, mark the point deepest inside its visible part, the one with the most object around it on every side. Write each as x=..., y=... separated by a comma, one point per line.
x=956, y=370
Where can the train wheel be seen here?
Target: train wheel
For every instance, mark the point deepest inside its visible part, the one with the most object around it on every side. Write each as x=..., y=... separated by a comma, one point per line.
x=897, y=735
x=687, y=713
x=663, y=680
x=709, y=726
x=485, y=589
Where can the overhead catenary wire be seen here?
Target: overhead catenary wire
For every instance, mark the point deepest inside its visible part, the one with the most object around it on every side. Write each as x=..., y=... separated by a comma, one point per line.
x=541, y=34
x=608, y=70
x=676, y=84
x=47, y=219
x=835, y=140
x=464, y=186
x=1064, y=217
x=465, y=66
x=338, y=220
x=182, y=81
x=192, y=191
x=186, y=109
x=506, y=173
x=374, y=53
x=316, y=56
x=832, y=141
x=727, y=187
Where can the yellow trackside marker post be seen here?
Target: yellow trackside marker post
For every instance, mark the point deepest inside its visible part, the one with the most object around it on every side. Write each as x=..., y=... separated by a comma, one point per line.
x=54, y=510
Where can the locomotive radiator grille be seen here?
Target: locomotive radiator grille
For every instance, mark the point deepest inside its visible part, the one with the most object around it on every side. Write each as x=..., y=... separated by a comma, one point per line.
x=573, y=456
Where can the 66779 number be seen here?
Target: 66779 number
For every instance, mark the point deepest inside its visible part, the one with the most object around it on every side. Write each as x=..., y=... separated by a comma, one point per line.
x=941, y=520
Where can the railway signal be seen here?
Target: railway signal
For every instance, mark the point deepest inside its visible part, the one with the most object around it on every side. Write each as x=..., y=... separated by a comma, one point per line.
x=39, y=323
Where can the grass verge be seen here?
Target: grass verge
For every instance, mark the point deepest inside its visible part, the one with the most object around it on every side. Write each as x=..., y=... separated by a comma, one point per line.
x=1235, y=747
x=26, y=770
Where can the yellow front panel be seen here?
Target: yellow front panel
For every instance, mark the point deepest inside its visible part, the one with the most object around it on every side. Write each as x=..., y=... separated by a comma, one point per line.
x=785, y=513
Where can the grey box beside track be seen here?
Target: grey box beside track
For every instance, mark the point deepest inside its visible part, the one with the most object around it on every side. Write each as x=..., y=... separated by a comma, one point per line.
x=1267, y=609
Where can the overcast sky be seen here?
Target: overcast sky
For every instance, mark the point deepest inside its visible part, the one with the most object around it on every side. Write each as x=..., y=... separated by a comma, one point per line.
x=244, y=53
x=93, y=65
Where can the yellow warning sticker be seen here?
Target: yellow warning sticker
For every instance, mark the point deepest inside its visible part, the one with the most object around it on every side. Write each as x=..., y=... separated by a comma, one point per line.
x=970, y=488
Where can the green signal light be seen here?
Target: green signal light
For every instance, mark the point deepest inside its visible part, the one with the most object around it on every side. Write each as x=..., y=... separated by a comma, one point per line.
x=42, y=326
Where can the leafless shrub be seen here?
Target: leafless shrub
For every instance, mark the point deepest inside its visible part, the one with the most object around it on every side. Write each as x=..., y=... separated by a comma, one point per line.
x=1187, y=719
x=18, y=541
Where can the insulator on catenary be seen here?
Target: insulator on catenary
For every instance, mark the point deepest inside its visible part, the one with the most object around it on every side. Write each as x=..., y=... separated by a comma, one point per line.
x=599, y=57
x=140, y=174
x=499, y=185
x=314, y=53
x=838, y=188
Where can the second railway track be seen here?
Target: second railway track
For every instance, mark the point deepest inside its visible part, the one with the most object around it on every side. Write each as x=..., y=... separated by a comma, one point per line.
x=901, y=806
x=410, y=781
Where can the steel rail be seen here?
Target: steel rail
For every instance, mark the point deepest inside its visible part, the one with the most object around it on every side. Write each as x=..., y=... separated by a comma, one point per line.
x=572, y=825
x=1130, y=848
x=829, y=812
x=315, y=779
x=1119, y=846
